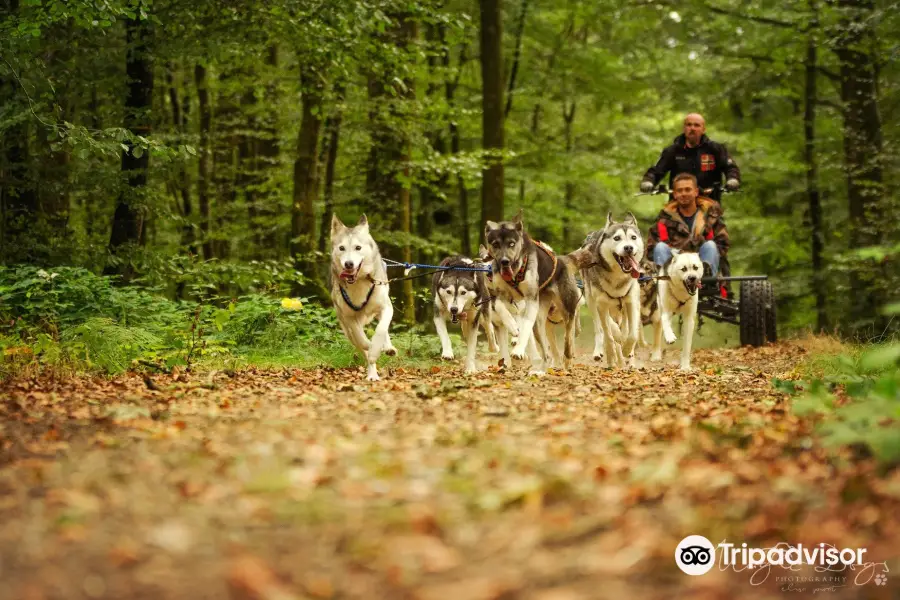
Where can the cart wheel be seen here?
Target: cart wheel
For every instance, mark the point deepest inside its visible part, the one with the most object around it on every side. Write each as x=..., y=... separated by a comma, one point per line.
x=754, y=303
x=771, y=311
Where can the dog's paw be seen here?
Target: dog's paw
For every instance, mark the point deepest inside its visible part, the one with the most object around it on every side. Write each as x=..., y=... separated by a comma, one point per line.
x=390, y=351
x=686, y=367
x=669, y=336
x=447, y=356
x=373, y=375
x=518, y=353
x=471, y=370
x=537, y=372
x=656, y=356
x=598, y=356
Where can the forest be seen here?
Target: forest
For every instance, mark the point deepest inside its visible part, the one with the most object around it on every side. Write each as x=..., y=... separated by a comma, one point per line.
x=183, y=416
x=199, y=150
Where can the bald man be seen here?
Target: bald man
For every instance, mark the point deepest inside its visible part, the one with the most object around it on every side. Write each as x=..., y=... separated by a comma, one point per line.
x=698, y=155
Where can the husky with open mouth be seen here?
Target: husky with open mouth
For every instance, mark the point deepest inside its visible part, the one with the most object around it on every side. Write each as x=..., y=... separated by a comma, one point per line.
x=610, y=267
x=677, y=294
x=529, y=272
x=359, y=290
x=462, y=296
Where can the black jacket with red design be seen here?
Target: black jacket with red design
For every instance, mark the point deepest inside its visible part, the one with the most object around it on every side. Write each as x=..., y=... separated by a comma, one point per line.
x=672, y=229
x=708, y=162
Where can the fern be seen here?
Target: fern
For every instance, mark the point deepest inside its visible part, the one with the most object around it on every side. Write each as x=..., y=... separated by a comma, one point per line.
x=104, y=344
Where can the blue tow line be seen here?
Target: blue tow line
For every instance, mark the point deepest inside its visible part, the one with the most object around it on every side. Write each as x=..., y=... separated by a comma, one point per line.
x=393, y=263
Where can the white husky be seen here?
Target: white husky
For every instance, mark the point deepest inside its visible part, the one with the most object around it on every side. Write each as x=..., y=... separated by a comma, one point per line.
x=610, y=266
x=678, y=295
x=359, y=290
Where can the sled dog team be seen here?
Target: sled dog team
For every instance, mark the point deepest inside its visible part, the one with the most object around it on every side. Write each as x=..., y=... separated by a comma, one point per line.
x=529, y=291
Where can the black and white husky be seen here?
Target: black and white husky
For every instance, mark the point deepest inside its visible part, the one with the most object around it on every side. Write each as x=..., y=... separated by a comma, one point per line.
x=359, y=290
x=528, y=272
x=609, y=261
x=462, y=296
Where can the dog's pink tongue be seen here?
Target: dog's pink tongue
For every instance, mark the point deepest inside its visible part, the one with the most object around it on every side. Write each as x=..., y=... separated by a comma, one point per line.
x=635, y=267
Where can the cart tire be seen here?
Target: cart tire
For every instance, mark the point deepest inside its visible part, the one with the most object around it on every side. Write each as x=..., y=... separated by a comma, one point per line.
x=753, y=315
x=771, y=314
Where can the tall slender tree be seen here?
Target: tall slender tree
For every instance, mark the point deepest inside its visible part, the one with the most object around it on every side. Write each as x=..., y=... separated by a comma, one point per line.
x=128, y=220
x=492, y=80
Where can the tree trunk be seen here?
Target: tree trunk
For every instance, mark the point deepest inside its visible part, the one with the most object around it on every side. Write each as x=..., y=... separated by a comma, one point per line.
x=18, y=192
x=492, y=108
x=569, y=193
x=267, y=153
x=54, y=185
x=203, y=161
x=812, y=184
x=303, y=217
x=332, y=135
x=247, y=176
x=390, y=154
x=520, y=29
x=128, y=220
x=465, y=240
x=182, y=179
x=225, y=142
x=862, y=156
x=535, y=123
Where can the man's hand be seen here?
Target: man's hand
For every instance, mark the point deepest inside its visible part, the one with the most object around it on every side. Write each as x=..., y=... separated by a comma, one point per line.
x=732, y=185
x=646, y=186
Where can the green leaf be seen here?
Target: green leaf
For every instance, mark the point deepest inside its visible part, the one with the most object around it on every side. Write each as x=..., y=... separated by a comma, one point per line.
x=880, y=358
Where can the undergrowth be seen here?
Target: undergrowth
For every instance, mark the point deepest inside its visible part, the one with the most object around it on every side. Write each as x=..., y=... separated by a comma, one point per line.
x=73, y=320
x=854, y=393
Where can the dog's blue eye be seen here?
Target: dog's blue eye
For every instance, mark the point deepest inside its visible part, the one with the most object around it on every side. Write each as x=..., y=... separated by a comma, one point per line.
x=634, y=237
x=512, y=245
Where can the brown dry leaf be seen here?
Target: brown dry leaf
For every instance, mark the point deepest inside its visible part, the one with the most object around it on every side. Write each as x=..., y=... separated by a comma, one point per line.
x=249, y=578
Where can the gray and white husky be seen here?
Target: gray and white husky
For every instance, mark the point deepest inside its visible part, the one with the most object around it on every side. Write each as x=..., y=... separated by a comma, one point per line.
x=528, y=272
x=676, y=293
x=359, y=290
x=463, y=297
x=609, y=261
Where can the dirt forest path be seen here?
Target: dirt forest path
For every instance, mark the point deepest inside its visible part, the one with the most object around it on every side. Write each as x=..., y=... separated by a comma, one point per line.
x=315, y=484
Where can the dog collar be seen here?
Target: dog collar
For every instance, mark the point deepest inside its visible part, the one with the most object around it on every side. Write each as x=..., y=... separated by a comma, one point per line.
x=349, y=302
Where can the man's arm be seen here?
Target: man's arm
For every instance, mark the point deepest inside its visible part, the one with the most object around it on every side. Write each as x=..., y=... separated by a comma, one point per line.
x=730, y=167
x=658, y=233
x=665, y=164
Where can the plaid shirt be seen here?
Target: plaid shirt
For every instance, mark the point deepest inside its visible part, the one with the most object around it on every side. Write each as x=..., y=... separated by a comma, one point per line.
x=671, y=228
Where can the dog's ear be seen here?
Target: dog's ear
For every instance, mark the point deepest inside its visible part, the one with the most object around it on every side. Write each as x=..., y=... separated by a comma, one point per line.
x=483, y=252
x=517, y=221
x=609, y=220
x=336, y=225
x=665, y=267
x=363, y=222
x=581, y=258
x=490, y=226
x=629, y=219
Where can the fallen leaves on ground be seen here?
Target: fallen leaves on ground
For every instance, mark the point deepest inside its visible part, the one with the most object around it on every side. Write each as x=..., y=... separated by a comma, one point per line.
x=428, y=484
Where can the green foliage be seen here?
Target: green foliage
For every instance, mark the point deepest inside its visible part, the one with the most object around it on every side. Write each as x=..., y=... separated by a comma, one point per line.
x=857, y=400
x=71, y=318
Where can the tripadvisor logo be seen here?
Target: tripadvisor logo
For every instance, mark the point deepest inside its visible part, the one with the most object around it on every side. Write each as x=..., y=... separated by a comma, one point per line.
x=695, y=555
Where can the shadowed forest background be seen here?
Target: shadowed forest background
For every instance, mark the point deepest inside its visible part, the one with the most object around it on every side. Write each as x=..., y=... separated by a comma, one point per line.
x=198, y=150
